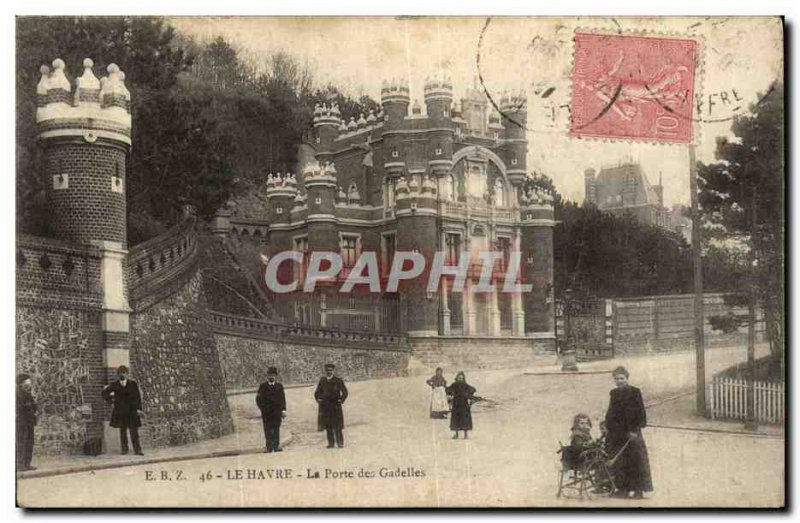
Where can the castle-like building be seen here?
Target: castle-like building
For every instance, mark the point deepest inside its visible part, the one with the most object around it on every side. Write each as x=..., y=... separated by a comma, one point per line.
x=449, y=179
x=626, y=189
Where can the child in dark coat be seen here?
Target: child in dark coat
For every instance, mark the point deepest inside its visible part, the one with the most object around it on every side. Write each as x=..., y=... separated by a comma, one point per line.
x=580, y=438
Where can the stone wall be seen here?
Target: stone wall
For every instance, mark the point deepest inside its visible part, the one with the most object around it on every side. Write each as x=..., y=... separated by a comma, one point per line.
x=60, y=349
x=247, y=347
x=174, y=359
x=472, y=353
x=59, y=340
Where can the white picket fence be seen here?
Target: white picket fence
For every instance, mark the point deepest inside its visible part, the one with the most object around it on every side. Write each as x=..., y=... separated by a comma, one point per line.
x=727, y=398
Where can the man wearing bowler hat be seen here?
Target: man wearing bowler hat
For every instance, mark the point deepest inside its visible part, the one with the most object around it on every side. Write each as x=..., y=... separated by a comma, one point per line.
x=127, y=409
x=272, y=402
x=330, y=395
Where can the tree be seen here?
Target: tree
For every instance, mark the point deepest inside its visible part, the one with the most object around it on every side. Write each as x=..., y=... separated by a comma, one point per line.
x=742, y=199
x=175, y=151
x=602, y=255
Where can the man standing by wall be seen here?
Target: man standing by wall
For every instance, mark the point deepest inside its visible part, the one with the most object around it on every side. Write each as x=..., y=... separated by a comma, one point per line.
x=272, y=401
x=126, y=410
x=331, y=394
x=26, y=420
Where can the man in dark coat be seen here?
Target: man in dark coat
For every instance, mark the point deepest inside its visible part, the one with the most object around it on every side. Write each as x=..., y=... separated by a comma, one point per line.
x=331, y=394
x=26, y=421
x=625, y=419
x=272, y=401
x=126, y=410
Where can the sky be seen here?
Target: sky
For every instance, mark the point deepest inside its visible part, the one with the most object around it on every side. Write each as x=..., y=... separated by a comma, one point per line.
x=739, y=59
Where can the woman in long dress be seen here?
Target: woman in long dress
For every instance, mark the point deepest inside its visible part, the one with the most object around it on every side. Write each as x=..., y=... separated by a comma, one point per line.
x=439, y=405
x=625, y=419
x=461, y=417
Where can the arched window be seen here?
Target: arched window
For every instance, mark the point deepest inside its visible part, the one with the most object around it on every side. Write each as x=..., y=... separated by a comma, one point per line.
x=499, y=193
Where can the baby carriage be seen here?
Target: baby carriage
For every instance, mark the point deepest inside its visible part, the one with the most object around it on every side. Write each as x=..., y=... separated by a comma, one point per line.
x=585, y=472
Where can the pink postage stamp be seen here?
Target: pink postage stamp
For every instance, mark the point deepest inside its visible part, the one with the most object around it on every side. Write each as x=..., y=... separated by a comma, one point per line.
x=633, y=87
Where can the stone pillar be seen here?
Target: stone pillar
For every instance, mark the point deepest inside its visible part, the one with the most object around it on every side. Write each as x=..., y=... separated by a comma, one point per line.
x=323, y=311
x=444, y=312
x=468, y=308
x=517, y=315
x=115, y=322
x=517, y=311
x=494, y=313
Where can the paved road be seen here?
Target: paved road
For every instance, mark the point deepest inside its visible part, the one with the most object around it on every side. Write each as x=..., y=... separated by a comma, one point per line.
x=509, y=459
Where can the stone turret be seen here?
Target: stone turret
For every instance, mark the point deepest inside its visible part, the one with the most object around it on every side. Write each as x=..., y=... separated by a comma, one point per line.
x=536, y=248
x=281, y=192
x=395, y=98
x=514, y=120
x=321, y=185
x=327, y=126
x=439, y=96
x=86, y=135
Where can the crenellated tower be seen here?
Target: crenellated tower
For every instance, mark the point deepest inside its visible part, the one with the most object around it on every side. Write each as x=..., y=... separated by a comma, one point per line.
x=321, y=186
x=514, y=120
x=395, y=98
x=281, y=192
x=536, y=249
x=439, y=96
x=86, y=135
x=327, y=121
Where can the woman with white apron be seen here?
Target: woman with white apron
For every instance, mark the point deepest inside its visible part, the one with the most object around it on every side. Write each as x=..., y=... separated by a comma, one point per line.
x=439, y=405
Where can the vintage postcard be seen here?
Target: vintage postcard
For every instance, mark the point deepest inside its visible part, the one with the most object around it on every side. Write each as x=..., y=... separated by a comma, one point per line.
x=395, y=262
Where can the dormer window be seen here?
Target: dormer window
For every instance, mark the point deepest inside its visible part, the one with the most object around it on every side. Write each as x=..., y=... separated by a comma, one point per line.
x=514, y=161
x=279, y=210
x=438, y=150
x=446, y=113
x=318, y=140
x=318, y=200
x=496, y=135
x=395, y=153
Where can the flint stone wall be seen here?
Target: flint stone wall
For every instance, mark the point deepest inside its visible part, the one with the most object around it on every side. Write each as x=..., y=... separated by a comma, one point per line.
x=245, y=360
x=174, y=359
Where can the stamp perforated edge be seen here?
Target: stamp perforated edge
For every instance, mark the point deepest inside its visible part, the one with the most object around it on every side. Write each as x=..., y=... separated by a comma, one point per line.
x=698, y=81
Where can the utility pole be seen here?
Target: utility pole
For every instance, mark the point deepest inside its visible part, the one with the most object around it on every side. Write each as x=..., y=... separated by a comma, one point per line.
x=699, y=316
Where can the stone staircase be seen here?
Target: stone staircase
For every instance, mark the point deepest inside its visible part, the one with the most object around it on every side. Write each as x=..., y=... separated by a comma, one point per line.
x=464, y=353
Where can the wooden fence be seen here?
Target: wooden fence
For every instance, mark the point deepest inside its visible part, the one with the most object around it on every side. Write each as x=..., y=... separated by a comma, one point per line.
x=727, y=398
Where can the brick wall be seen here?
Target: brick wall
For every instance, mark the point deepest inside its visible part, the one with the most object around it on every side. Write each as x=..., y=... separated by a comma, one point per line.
x=56, y=273
x=88, y=209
